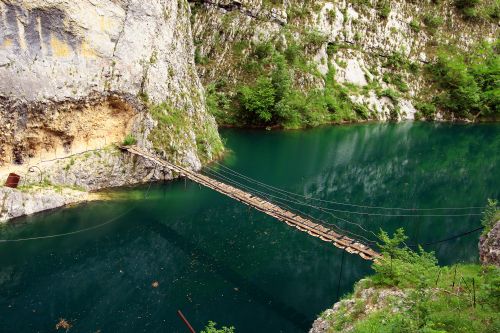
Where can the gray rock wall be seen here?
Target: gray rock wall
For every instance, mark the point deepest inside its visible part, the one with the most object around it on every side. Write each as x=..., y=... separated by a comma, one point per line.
x=78, y=75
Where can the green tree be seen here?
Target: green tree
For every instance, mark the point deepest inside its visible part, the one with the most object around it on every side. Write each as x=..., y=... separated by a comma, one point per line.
x=491, y=215
x=258, y=101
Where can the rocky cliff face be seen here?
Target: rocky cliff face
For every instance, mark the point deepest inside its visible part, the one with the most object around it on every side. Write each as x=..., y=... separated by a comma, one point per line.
x=78, y=76
x=375, y=48
x=489, y=246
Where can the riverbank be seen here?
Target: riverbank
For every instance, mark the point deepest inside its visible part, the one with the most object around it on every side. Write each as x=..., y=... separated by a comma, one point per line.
x=459, y=298
x=409, y=292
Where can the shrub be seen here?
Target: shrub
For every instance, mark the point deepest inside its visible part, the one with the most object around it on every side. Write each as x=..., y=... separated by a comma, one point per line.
x=331, y=15
x=129, y=140
x=263, y=50
x=258, y=100
x=469, y=82
x=400, y=266
x=211, y=328
x=396, y=60
x=468, y=7
x=432, y=22
x=219, y=105
x=389, y=93
x=462, y=298
x=428, y=110
x=314, y=38
x=293, y=53
x=384, y=9
x=332, y=48
x=491, y=215
x=415, y=26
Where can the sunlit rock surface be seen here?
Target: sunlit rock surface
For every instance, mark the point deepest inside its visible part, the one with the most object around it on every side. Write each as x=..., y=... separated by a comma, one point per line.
x=489, y=246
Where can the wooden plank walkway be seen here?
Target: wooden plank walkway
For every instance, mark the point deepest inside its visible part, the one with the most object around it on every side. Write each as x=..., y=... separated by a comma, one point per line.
x=322, y=232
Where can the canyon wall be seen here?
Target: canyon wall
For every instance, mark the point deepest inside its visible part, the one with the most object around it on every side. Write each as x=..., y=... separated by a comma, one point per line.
x=376, y=49
x=78, y=76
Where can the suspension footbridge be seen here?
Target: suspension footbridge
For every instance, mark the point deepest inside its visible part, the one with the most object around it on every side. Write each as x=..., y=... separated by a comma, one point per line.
x=325, y=233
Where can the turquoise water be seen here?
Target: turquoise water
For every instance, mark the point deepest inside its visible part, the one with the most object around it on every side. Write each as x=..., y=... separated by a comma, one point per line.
x=215, y=259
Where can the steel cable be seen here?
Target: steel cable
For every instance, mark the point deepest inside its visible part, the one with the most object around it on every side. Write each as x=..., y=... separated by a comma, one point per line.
x=338, y=202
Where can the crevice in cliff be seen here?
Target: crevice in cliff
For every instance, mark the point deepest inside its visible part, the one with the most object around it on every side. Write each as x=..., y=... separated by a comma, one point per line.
x=118, y=38
x=257, y=14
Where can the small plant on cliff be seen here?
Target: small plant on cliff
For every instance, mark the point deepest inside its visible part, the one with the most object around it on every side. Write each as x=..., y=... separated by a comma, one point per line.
x=384, y=8
x=491, y=215
x=129, y=140
x=415, y=26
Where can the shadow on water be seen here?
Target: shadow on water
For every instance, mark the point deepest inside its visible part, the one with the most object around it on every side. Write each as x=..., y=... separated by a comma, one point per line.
x=258, y=294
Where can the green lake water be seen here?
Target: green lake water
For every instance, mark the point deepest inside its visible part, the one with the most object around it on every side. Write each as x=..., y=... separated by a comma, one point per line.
x=216, y=259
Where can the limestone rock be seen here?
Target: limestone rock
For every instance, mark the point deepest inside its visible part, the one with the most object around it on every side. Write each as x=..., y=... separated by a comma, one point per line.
x=356, y=40
x=15, y=203
x=78, y=76
x=489, y=246
x=373, y=299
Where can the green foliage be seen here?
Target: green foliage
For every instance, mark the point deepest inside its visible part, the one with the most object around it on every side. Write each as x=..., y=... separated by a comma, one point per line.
x=258, y=101
x=129, y=140
x=172, y=124
x=211, y=328
x=314, y=38
x=396, y=60
x=415, y=26
x=273, y=100
x=491, y=215
x=446, y=304
x=427, y=110
x=293, y=53
x=298, y=11
x=198, y=58
x=467, y=7
x=332, y=48
x=401, y=266
x=432, y=22
x=397, y=80
x=469, y=83
x=384, y=8
x=263, y=50
x=219, y=104
x=331, y=15
x=389, y=93
x=462, y=298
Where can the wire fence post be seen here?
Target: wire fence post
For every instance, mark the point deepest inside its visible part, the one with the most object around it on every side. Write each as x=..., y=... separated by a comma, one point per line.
x=454, y=277
x=474, y=292
x=439, y=274
x=340, y=274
